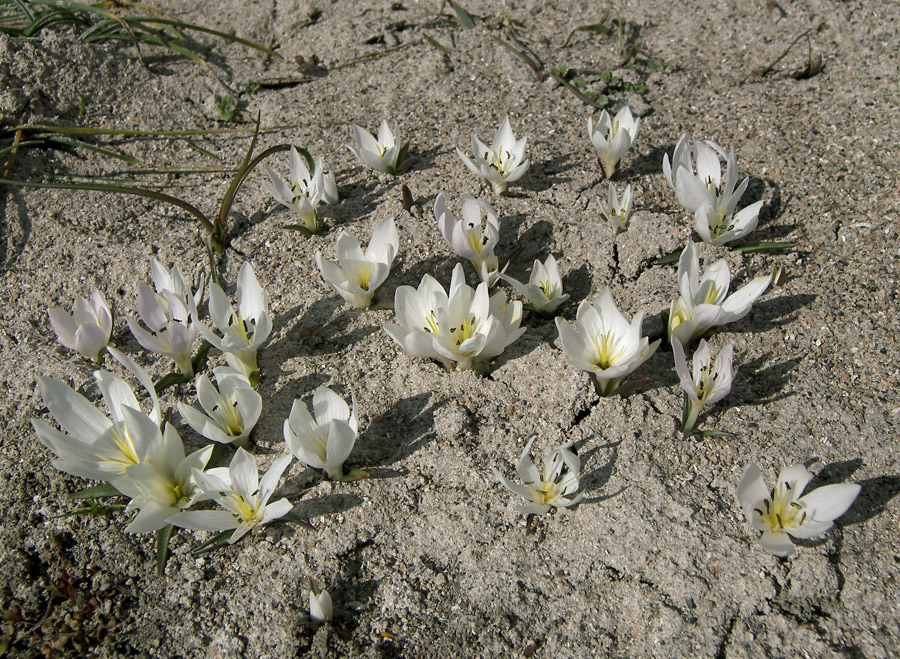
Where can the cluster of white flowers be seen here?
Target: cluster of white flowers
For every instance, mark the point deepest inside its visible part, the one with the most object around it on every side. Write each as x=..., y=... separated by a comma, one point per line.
x=143, y=457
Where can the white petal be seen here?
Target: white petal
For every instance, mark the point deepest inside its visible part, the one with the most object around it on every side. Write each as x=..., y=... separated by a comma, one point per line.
x=830, y=501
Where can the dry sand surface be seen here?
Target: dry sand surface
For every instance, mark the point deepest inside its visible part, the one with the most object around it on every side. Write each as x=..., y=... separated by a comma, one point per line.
x=428, y=558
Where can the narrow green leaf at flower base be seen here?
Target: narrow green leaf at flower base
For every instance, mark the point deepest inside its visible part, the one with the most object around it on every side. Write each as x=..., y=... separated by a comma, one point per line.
x=671, y=257
x=749, y=248
x=716, y=433
x=464, y=18
x=213, y=543
x=354, y=475
x=96, y=492
x=170, y=380
x=162, y=548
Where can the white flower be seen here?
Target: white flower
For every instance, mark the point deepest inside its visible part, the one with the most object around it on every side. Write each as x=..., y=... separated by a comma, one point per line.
x=304, y=192
x=781, y=511
x=544, y=290
x=321, y=608
x=323, y=442
x=244, y=330
x=613, y=137
x=705, y=303
x=604, y=342
x=87, y=329
x=163, y=484
x=173, y=329
x=711, y=199
x=500, y=164
x=380, y=154
x=618, y=212
x=474, y=236
x=361, y=273
x=548, y=487
x=173, y=281
x=231, y=410
x=242, y=494
x=462, y=328
x=709, y=383
x=93, y=445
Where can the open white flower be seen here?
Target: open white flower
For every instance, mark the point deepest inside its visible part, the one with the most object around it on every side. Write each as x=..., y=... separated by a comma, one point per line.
x=604, y=343
x=358, y=274
x=381, y=154
x=709, y=383
x=243, y=331
x=711, y=198
x=243, y=495
x=321, y=608
x=618, y=212
x=782, y=512
x=462, y=328
x=173, y=330
x=474, y=236
x=323, y=441
x=231, y=410
x=500, y=164
x=304, y=191
x=549, y=487
x=163, y=484
x=86, y=330
x=94, y=445
x=613, y=137
x=544, y=290
x=705, y=303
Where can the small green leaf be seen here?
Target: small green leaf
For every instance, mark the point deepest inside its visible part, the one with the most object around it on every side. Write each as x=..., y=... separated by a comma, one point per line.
x=170, y=380
x=213, y=543
x=671, y=257
x=436, y=44
x=762, y=247
x=227, y=107
x=96, y=492
x=162, y=548
x=462, y=15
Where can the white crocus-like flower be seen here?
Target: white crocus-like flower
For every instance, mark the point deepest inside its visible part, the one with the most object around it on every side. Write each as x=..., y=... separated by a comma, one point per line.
x=612, y=137
x=705, y=303
x=712, y=199
x=604, y=343
x=231, y=409
x=358, y=274
x=466, y=327
x=322, y=440
x=94, y=445
x=243, y=331
x=173, y=331
x=86, y=330
x=618, y=211
x=163, y=484
x=173, y=281
x=304, y=191
x=474, y=236
x=321, y=608
x=500, y=164
x=544, y=290
x=382, y=153
x=243, y=495
x=782, y=512
x=551, y=486
x=709, y=383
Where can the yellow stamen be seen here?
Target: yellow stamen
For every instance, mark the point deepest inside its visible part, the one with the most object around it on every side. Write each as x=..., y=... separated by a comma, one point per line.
x=604, y=357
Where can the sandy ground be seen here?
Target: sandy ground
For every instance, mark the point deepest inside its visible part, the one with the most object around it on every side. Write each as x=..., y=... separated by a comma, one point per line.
x=428, y=557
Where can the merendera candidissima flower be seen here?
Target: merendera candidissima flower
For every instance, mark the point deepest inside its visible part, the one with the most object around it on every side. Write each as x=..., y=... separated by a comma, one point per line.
x=474, y=236
x=709, y=383
x=500, y=164
x=243, y=495
x=544, y=290
x=548, y=487
x=381, y=154
x=92, y=444
x=604, y=343
x=324, y=441
x=463, y=328
x=613, y=137
x=782, y=512
x=321, y=608
x=304, y=191
x=244, y=330
x=86, y=330
x=358, y=274
x=705, y=303
x=230, y=411
x=712, y=199
x=618, y=211
x=163, y=484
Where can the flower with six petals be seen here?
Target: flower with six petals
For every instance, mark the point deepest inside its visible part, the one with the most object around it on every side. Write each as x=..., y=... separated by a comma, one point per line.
x=474, y=236
x=230, y=411
x=544, y=290
x=86, y=330
x=322, y=440
x=612, y=137
x=500, y=164
x=551, y=486
x=382, y=153
x=709, y=383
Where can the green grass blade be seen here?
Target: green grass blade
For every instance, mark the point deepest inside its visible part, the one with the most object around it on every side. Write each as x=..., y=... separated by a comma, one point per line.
x=200, y=28
x=96, y=149
x=763, y=247
x=435, y=43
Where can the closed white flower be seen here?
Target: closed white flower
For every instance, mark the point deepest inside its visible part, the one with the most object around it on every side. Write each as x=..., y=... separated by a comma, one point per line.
x=86, y=330
x=709, y=382
x=323, y=440
x=544, y=290
x=474, y=235
x=612, y=137
x=304, y=191
x=618, y=211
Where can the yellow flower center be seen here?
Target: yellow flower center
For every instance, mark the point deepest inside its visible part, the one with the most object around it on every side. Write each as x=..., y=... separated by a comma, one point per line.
x=466, y=330
x=431, y=325
x=247, y=510
x=604, y=357
x=363, y=275
x=779, y=512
